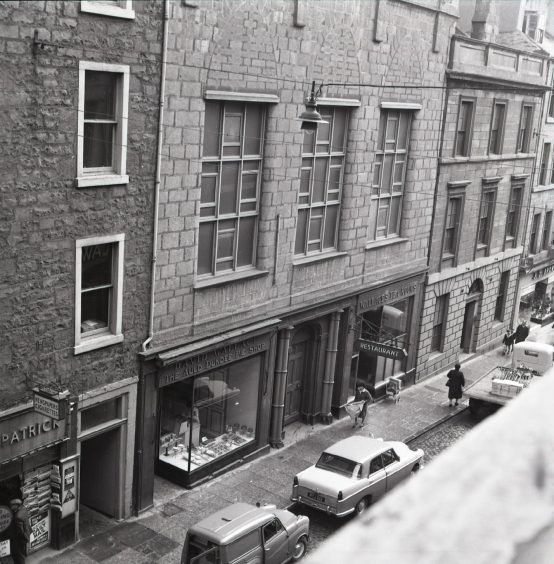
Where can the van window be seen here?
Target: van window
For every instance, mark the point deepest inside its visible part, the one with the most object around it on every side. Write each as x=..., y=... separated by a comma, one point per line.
x=244, y=545
x=271, y=529
x=210, y=556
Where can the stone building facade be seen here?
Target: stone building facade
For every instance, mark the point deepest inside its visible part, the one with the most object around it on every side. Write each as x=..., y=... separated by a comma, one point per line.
x=278, y=249
x=490, y=141
x=79, y=93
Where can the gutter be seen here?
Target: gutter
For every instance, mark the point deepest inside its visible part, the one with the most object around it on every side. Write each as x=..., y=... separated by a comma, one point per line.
x=158, y=178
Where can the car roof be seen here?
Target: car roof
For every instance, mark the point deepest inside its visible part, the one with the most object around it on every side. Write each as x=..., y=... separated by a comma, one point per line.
x=358, y=448
x=227, y=524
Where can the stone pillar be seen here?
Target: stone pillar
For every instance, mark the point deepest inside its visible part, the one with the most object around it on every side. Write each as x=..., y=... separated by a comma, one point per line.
x=280, y=387
x=330, y=362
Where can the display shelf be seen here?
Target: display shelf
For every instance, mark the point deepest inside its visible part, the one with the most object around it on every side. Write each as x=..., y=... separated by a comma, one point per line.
x=177, y=453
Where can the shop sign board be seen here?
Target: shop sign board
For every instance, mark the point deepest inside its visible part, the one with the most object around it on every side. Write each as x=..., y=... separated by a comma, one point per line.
x=49, y=405
x=211, y=360
x=379, y=349
x=376, y=298
x=40, y=530
x=69, y=468
x=28, y=431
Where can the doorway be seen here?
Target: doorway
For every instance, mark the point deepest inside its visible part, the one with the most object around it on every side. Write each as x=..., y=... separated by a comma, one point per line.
x=99, y=486
x=471, y=317
x=297, y=375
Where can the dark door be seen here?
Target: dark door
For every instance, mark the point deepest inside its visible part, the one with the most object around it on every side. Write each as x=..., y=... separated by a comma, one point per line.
x=467, y=330
x=99, y=473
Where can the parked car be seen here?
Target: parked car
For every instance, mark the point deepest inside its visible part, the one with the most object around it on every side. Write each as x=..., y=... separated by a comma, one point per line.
x=247, y=533
x=353, y=473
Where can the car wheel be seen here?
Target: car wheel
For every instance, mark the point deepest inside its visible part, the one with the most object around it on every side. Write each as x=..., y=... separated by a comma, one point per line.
x=415, y=469
x=362, y=505
x=299, y=549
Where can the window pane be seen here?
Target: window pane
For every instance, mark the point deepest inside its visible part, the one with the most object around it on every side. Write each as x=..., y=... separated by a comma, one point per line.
x=205, y=248
x=95, y=309
x=101, y=413
x=305, y=181
x=229, y=188
x=316, y=222
x=253, y=130
x=225, y=243
x=96, y=266
x=212, y=129
x=331, y=217
x=334, y=184
x=249, y=186
x=308, y=144
x=398, y=172
x=338, y=131
x=247, y=234
x=320, y=177
x=377, y=174
x=100, y=95
x=324, y=129
x=381, y=136
x=300, y=244
x=382, y=215
x=387, y=174
x=394, y=219
x=208, y=191
x=98, y=145
x=403, y=132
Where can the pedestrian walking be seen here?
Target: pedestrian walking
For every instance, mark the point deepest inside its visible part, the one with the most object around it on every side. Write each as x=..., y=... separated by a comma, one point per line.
x=455, y=383
x=522, y=332
x=508, y=340
x=21, y=531
x=362, y=394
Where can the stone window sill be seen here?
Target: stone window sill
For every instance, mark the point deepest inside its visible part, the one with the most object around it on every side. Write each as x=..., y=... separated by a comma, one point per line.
x=97, y=342
x=107, y=10
x=222, y=279
x=385, y=243
x=101, y=180
x=305, y=260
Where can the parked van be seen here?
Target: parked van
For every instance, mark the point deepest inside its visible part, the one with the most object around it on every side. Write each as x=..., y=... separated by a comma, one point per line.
x=247, y=534
x=536, y=356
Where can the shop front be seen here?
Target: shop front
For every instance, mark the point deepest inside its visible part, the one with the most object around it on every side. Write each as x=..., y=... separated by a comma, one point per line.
x=35, y=450
x=213, y=407
x=386, y=335
x=536, y=301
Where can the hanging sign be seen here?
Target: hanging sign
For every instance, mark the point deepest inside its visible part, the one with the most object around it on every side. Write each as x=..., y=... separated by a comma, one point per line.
x=53, y=405
x=378, y=349
x=40, y=530
x=5, y=548
x=6, y=516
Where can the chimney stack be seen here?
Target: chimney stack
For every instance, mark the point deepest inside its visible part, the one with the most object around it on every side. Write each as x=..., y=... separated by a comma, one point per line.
x=484, y=25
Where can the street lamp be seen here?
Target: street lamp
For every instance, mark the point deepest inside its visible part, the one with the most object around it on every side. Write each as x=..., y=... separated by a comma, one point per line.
x=310, y=117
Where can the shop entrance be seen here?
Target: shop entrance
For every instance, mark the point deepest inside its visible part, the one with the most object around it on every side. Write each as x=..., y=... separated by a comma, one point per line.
x=100, y=472
x=469, y=329
x=297, y=374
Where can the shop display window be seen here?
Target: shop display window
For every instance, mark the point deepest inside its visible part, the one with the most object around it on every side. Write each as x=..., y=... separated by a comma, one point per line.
x=204, y=418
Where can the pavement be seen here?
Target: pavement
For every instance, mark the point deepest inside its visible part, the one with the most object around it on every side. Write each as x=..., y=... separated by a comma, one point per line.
x=158, y=534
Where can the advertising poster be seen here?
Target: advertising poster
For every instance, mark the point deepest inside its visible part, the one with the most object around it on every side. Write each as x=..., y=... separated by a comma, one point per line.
x=40, y=530
x=69, y=482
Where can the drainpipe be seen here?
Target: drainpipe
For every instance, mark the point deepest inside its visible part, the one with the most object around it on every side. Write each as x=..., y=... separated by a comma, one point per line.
x=158, y=178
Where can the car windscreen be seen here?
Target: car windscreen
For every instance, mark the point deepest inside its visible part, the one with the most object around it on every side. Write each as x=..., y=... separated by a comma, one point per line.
x=339, y=465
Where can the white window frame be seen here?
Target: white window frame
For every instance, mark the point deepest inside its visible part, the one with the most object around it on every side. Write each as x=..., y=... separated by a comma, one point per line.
x=111, y=335
x=121, y=9
x=117, y=175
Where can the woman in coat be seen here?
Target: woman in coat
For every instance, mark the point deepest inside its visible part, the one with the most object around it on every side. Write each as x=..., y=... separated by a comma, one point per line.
x=456, y=382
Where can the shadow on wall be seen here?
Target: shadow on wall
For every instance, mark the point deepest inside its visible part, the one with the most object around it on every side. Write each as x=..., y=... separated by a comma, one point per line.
x=490, y=498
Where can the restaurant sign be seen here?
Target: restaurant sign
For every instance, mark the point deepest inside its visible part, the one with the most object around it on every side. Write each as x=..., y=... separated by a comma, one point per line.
x=378, y=349
x=28, y=431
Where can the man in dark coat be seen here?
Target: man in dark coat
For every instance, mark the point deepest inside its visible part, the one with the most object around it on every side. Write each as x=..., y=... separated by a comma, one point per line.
x=21, y=531
x=522, y=332
x=456, y=382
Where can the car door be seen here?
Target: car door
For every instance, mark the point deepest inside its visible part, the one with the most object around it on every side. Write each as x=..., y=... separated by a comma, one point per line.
x=377, y=478
x=393, y=467
x=275, y=541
